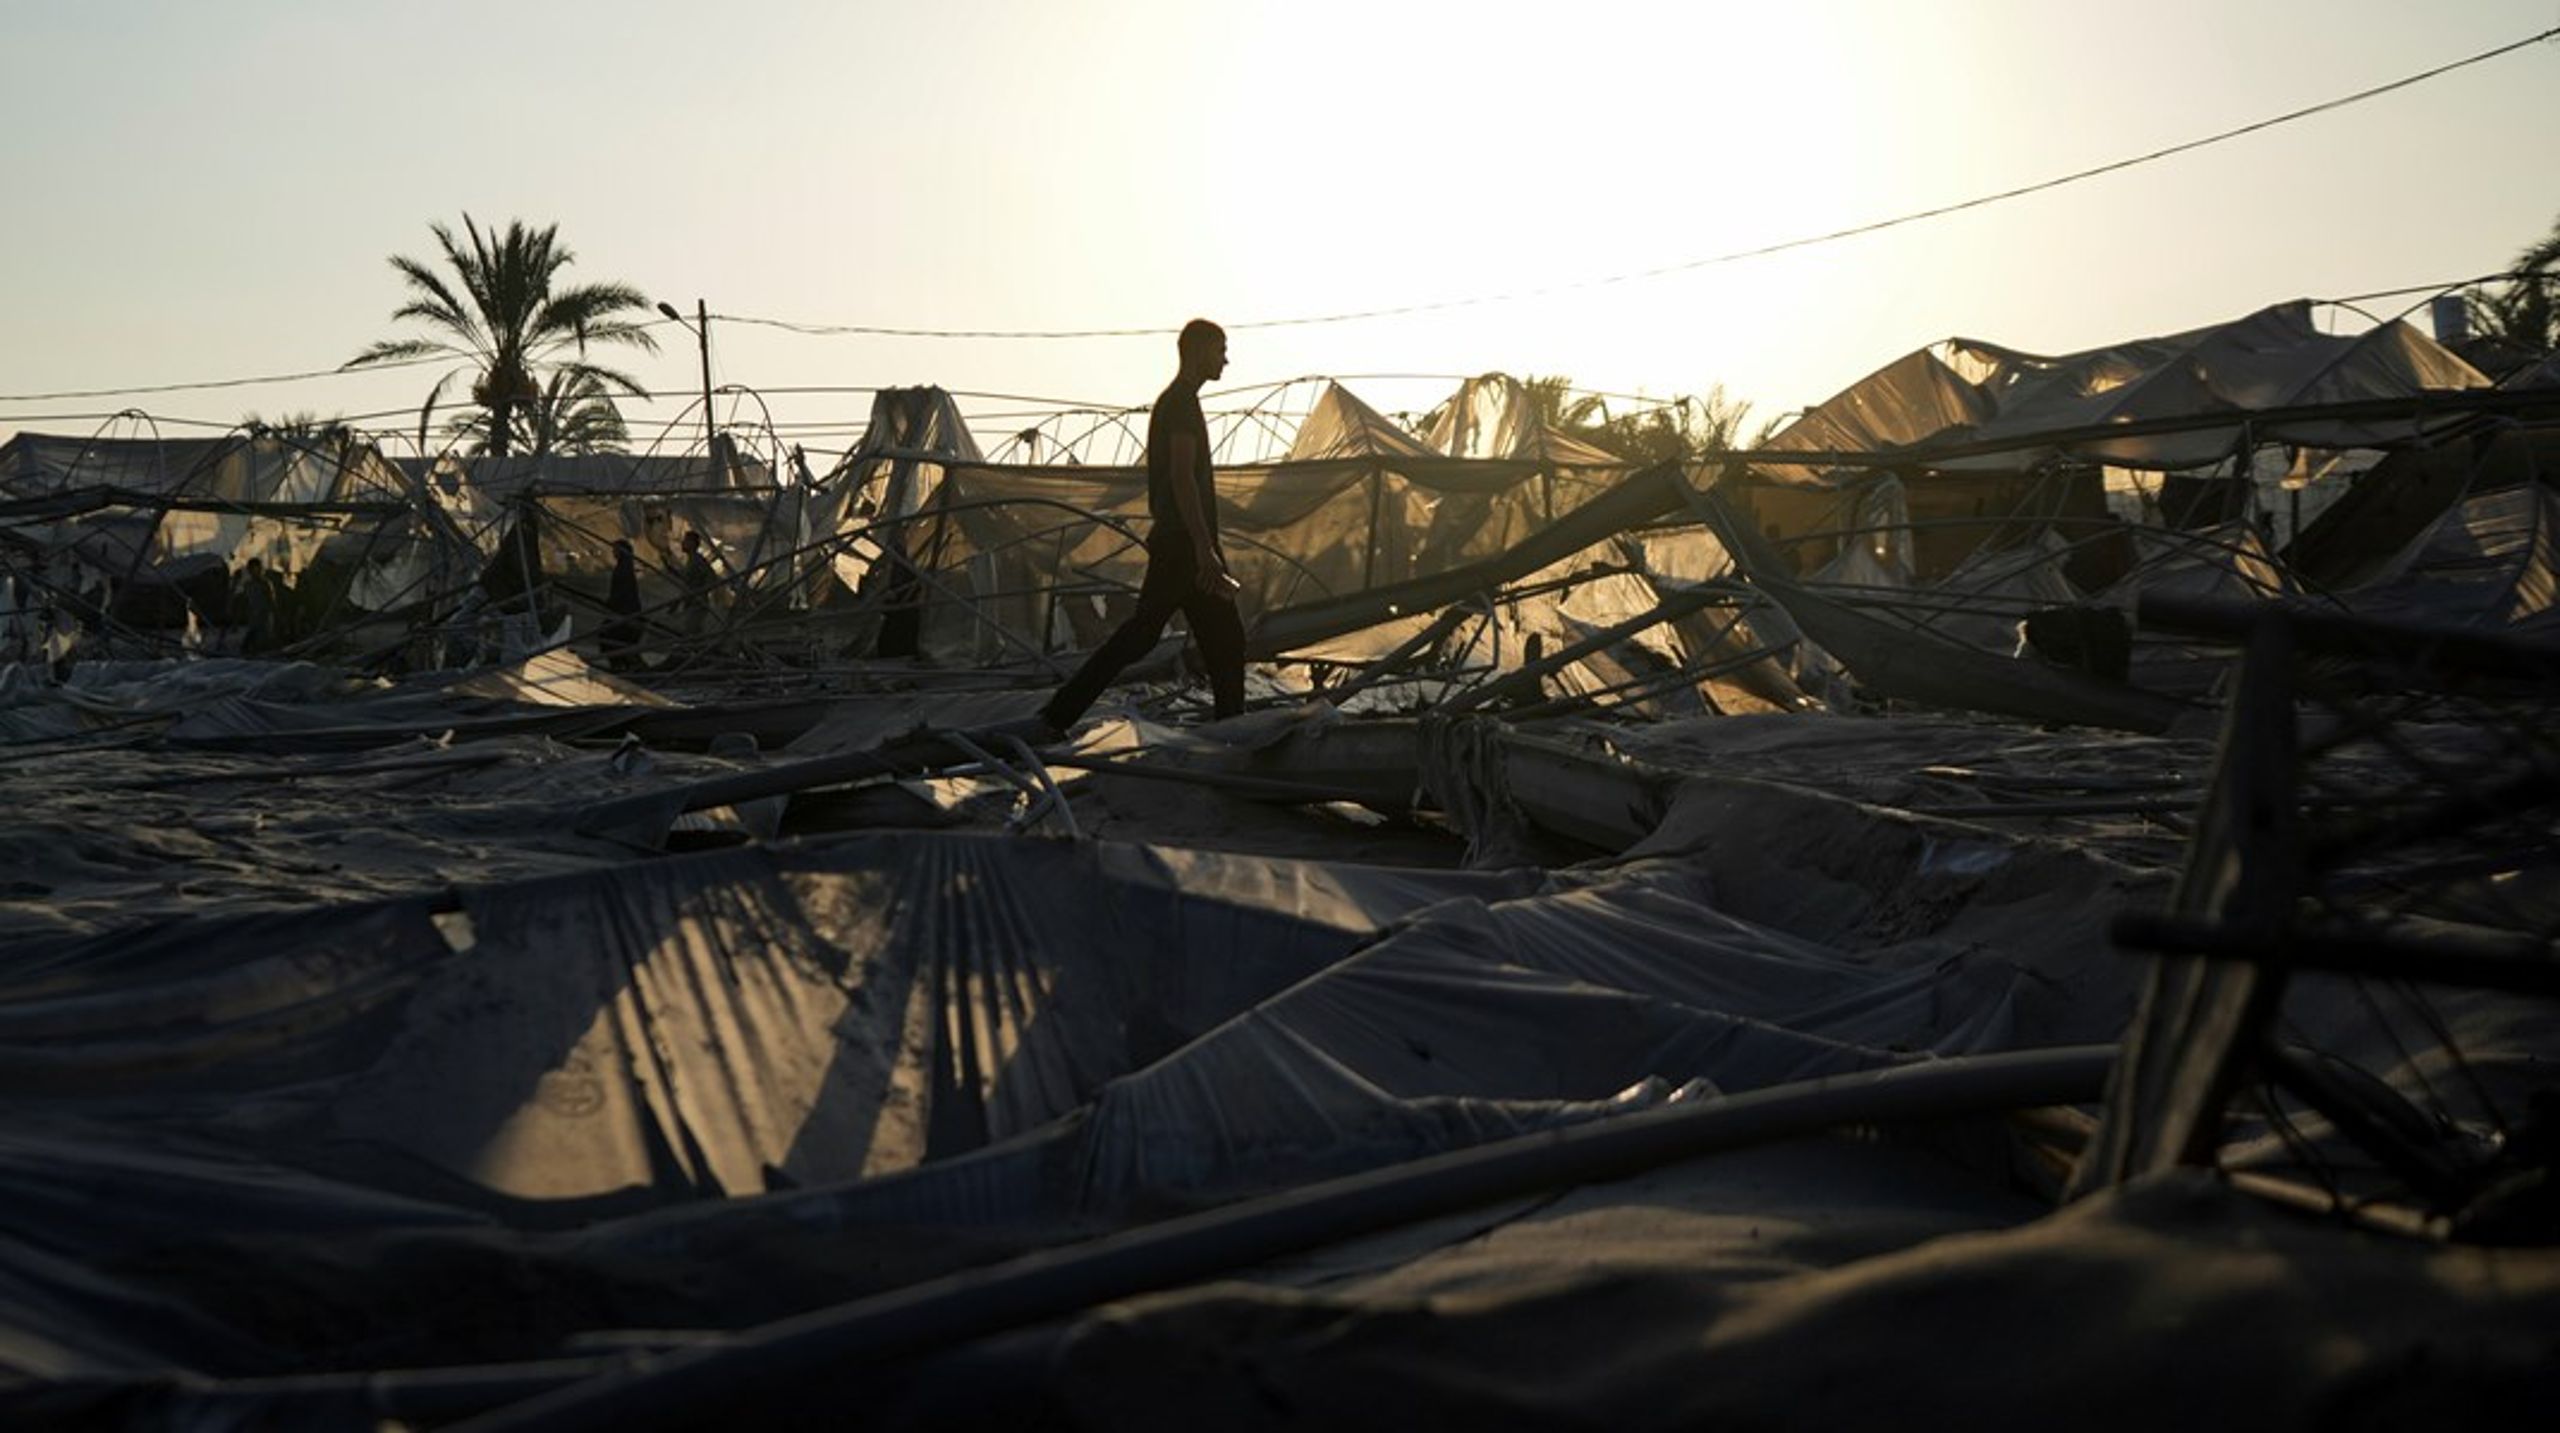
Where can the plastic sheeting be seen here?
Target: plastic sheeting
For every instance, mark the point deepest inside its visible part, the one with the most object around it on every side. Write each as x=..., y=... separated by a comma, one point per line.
x=1995, y=590
x=1494, y=416
x=1486, y=1020
x=1829, y=938
x=1047, y=555
x=2492, y=560
x=914, y=436
x=718, y=1025
x=236, y=467
x=335, y=1138
x=1773, y=1291
x=287, y=707
x=136, y=535
x=34, y=707
x=1964, y=391
x=498, y=481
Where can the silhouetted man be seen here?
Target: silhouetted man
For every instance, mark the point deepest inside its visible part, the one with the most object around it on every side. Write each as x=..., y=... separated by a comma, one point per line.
x=253, y=609
x=621, y=636
x=698, y=578
x=1186, y=572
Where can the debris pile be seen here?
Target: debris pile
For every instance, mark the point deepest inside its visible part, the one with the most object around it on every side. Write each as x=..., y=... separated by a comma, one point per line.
x=2035, y=838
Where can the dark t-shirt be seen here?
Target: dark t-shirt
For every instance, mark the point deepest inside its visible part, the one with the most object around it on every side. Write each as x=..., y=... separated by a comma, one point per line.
x=699, y=579
x=1177, y=411
x=622, y=592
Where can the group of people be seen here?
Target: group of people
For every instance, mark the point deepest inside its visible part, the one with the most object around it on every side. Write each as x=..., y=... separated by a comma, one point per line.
x=513, y=608
x=695, y=576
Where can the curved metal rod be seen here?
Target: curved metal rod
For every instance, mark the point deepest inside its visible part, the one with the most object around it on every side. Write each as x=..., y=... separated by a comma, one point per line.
x=691, y=1386
x=2174, y=535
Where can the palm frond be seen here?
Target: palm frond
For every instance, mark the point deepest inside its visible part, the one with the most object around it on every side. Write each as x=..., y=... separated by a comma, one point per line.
x=2543, y=254
x=438, y=304
x=605, y=379
x=591, y=313
x=427, y=410
x=393, y=350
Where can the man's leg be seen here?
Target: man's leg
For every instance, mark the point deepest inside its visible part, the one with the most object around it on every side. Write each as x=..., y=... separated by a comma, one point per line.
x=1220, y=633
x=1159, y=597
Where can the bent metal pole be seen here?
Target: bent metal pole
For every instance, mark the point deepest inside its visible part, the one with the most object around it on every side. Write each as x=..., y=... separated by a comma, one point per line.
x=695, y=1387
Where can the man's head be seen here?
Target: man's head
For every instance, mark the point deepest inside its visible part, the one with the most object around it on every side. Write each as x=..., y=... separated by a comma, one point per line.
x=1203, y=346
x=692, y=540
x=622, y=547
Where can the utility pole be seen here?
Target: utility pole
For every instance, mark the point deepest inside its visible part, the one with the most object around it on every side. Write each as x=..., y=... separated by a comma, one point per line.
x=702, y=320
x=701, y=327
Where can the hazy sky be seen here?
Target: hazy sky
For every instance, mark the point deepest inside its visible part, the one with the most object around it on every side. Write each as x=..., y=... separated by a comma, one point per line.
x=209, y=189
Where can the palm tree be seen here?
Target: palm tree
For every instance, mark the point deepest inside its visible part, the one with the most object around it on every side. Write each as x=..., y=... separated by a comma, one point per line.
x=2524, y=314
x=504, y=319
x=298, y=425
x=575, y=413
x=1681, y=428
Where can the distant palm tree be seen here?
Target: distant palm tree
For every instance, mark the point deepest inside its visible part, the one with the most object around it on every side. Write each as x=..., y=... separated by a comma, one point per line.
x=2524, y=313
x=298, y=424
x=1559, y=406
x=505, y=320
x=1681, y=428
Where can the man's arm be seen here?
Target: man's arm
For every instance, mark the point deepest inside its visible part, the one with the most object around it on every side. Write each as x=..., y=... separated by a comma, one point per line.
x=1184, y=461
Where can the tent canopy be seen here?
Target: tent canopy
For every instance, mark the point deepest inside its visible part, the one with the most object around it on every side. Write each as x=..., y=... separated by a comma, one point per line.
x=1963, y=391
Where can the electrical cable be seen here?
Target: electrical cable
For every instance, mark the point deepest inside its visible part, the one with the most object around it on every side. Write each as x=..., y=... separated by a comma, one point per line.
x=71, y=393
x=1689, y=265
x=251, y=382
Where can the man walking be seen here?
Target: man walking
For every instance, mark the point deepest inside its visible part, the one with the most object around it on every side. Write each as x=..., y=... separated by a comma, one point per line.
x=1186, y=572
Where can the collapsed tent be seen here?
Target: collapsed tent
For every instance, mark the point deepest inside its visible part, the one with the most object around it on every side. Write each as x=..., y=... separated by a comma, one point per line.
x=1959, y=502
x=148, y=515
x=1028, y=558
x=2008, y=440
x=726, y=1025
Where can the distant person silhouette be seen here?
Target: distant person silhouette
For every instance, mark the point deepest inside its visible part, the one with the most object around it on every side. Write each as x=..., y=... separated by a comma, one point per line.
x=698, y=578
x=1186, y=571
x=621, y=636
x=253, y=609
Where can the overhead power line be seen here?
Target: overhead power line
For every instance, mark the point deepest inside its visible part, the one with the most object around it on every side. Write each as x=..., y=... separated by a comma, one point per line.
x=1356, y=315
x=70, y=393
x=310, y=373
x=1689, y=265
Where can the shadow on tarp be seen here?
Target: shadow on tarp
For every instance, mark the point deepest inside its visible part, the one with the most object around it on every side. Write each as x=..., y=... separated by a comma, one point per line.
x=694, y=1021
x=709, y=1026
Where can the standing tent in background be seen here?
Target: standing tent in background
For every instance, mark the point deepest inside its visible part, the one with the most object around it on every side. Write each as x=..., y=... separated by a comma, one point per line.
x=914, y=437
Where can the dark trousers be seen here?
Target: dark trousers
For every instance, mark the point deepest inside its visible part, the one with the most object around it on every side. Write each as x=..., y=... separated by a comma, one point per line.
x=1172, y=585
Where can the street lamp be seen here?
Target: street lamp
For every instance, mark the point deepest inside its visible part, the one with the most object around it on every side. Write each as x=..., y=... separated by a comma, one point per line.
x=702, y=334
